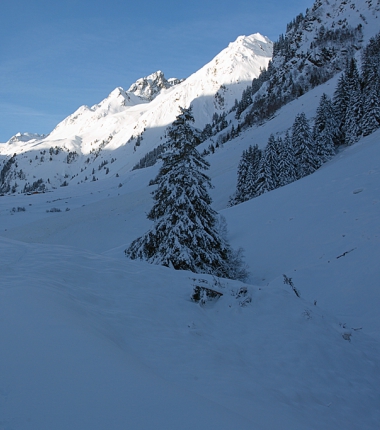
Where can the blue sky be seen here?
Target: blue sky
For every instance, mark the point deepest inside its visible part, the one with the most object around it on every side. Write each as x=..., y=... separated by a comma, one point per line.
x=57, y=56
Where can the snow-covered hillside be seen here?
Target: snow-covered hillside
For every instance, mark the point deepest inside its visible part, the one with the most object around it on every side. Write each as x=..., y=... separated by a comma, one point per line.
x=112, y=136
x=88, y=336
x=92, y=340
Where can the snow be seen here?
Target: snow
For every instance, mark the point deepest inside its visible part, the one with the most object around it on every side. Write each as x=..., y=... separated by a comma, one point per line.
x=114, y=124
x=92, y=340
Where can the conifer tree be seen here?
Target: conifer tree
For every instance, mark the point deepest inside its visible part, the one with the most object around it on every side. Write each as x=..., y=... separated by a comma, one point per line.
x=242, y=173
x=324, y=130
x=254, y=156
x=185, y=233
x=287, y=162
x=371, y=86
x=371, y=106
x=247, y=176
x=354, y=111
x=264, y=181
x=304, y=147
x=272, y=162
x=340, y=103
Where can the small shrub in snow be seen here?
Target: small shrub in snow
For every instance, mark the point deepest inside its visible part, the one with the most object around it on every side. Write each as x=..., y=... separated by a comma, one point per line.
x=288, y=281
x=203, y=294
x=18, y=209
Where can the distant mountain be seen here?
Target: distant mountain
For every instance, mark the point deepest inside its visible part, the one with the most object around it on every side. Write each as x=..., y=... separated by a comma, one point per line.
x=149, y=87
x=127, y=124
x=241, y=87
x=25, y=137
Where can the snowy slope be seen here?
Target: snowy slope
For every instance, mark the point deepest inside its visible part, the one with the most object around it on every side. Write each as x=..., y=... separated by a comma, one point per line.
x=97, y=342
x=127, y=338
x=92, y=340
x=110, y=131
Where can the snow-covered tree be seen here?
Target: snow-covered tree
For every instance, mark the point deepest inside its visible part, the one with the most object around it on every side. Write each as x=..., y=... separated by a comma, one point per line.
x=371, y=107
x=254, y=156
x=247, y=175
x=340, y=103
x=242, y=173
x=304, y=147
x=272, y=159
x=354, y=112
x=371, y=86
x=324, y=129
x=264, y=181
x=185, y=233
x=286, y=161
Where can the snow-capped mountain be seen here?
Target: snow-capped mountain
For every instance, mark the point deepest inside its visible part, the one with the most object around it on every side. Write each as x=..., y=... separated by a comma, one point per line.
x=109, y=338
x=25, y=137
x=127, y=124
x=149, y=87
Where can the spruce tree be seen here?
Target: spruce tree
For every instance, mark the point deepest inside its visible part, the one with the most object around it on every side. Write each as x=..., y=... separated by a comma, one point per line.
x=371, y=86
x=287, y=162
x=242, y=173
x=254, y=155
x=354, y=111
x=371, y=107
x=272, y=159
x=265, y=180
x=340, y=103
x=247, y=176
x=324, y=130
x=304, y=147
x=185, y=233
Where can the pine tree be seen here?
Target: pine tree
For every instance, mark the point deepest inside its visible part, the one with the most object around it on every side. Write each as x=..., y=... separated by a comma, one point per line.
x=304, y=147
x=247, y=176
x=371, y=107
x=354, y=111
x=185, y=233
x=371, y=86
x=287, y=162
x=265, y=180
x=340, y=103
x=254, y=156
x=272, y=162
x=324, y=129
x=242, y=172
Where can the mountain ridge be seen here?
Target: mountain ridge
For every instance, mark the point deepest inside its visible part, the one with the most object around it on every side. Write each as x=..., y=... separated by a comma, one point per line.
x=116, y=127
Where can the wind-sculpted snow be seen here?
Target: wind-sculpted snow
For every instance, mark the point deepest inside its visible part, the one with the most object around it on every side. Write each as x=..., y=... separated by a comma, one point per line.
x=98, y=342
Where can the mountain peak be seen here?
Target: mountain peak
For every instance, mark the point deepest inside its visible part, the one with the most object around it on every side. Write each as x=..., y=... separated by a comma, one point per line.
x=150, y=86
x=25, y=137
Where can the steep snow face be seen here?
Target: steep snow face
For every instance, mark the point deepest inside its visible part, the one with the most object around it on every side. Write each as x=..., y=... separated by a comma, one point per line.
x=329, y=23
x=25, y=137
x=343, y=14
x=126, y=125
x=149, y=87
x=85, y=118
x=215, y=86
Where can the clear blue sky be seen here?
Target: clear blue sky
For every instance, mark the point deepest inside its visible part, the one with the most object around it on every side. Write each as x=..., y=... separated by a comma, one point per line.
x=57, y=56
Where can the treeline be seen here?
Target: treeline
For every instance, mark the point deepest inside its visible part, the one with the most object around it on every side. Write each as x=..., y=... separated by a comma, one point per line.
x=353, y=112
x=294, y=70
